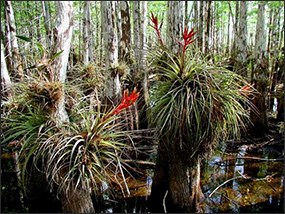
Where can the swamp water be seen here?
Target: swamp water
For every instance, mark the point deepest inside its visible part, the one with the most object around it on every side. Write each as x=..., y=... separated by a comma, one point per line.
x=233, y=182
x=243, y=180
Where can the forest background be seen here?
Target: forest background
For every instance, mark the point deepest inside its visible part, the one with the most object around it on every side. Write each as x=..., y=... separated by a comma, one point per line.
x=77, y=55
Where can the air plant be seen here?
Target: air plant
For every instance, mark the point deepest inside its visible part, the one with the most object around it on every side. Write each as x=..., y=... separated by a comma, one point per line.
x=82, y=153
x=196, y=104
x=89, y=151
x=157, y=28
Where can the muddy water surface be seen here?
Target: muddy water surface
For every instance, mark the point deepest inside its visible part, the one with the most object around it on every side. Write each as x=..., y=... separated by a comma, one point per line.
x=245, y=182
x=234, y=182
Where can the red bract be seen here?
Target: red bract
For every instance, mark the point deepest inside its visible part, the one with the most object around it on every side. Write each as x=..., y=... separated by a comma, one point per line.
x=247, y=89
x=155, y=26
x=127, y=101
x=187, y=38
x=154, y=20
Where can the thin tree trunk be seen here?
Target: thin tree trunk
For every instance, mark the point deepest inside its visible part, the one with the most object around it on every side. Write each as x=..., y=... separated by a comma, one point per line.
x=143, y=65
x=241, y=64
x=140, y=75
x=136, y=27
x=235, y=26
x=113, y=86
x=62, y=36
x=86, y=31
x=38, y=21
x=79, y=200
x=195, y=21
x=272, y=49
x=125, y=40
x=80, y=36
x=47, y=23
x=118, y=27
x=8, y=49
x=207, y=32
x=260, y=123
x=98, y=30
x=214, y=29
x=201, y=24
x=11, y=30
x=228, y=34
x=5, y=77
x=91, y=35
x=186, y=15
x=175, y=24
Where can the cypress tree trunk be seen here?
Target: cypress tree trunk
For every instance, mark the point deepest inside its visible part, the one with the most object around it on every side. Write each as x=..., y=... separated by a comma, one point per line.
x=175, y=24
x=14, y=55
x=176, y=186
x=5, y=77
x=125, y=40
x=86, y=33
x=201, y=24
x=208, y=25
x=62, y=36
x=47, y=24
x=113, y=85
x=241, y=58
x=76, y=200
x=260, y=123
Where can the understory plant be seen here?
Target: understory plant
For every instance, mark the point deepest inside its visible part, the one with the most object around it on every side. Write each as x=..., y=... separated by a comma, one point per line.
x=195, y=104
x=81, y=154
x=89, y=150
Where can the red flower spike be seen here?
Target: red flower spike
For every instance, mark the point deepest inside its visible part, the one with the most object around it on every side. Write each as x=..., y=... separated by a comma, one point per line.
x=155, y=26
x=154, y=20
x=127, y=101
x=187, y=38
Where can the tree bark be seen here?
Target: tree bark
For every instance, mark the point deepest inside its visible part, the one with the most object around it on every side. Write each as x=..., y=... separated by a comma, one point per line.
x=47, y=23
x=86, y=32
x=62, y=37
x=201, y=24
x=5, y=77
x=78, y=201
x=14, y=54
x=143, y=66
x=208, y=25
x=176, y=187
x=260, y=123
x=136, y=31
x=113, y=85
x=175, y=24
x=241, y=62
x=195, y=24
x=235, y=26
x=125, y=40
x=37, y=5
x=228, y=50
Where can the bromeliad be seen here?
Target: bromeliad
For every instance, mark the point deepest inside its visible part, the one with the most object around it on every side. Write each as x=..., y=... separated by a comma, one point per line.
x=187, y=38
x=155, y=26
x=127, y=101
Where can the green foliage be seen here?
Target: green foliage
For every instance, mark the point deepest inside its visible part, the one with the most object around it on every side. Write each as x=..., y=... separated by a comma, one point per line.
x=85, y=153
x=26, y=128
x=82, y=153
x=196, y=104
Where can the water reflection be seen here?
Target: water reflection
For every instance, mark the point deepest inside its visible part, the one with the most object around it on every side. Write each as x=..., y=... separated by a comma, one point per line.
x=239, y=166
x=244, y=184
